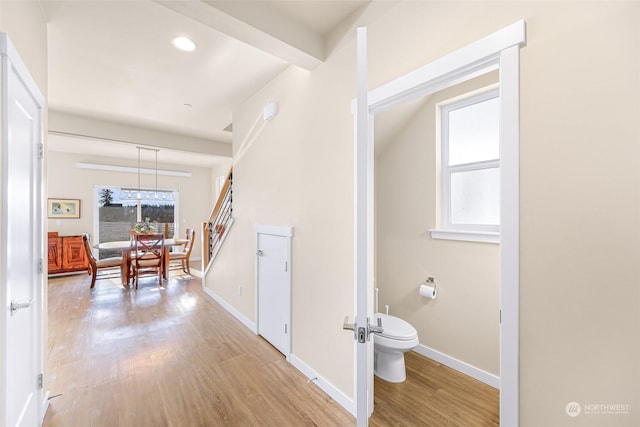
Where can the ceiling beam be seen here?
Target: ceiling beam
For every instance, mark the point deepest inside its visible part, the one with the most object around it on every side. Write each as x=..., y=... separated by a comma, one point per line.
x=73, y=125
x=259, y=26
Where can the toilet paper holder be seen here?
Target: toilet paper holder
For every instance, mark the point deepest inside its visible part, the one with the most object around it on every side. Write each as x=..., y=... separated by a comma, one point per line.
x=428, y=289
x=431, y=282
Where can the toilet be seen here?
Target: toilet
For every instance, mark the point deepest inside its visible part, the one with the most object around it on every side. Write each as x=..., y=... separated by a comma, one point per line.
x=389, y=347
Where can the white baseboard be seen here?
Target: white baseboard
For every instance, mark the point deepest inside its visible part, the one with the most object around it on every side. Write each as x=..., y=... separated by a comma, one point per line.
x=235, y=313
x=337, y=395
x=460, y=366
x=45, y=406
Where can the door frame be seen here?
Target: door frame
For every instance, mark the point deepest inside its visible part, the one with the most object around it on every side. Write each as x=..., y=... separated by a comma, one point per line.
x=11, y=60
x=280, y=231
x=500, y=49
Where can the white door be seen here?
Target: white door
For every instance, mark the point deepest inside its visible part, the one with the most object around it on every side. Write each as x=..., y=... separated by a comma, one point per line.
x=274, y=290
x=364, y=191
x=22, y=244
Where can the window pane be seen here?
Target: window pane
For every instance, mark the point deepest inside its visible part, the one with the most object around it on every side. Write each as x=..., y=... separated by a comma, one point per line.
x=117, y=213
x=474, y=133
x=475, y=197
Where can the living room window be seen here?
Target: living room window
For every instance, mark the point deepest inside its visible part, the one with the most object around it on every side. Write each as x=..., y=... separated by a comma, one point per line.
x=116, y=209
x=470, y=165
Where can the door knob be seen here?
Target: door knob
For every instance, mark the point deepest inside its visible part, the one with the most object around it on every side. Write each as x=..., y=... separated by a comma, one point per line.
x=15, y=305
x=350, y=326
x=259, y=253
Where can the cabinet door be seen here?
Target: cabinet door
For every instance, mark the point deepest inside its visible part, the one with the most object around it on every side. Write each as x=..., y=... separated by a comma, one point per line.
x=74, y=257
x=55, y=254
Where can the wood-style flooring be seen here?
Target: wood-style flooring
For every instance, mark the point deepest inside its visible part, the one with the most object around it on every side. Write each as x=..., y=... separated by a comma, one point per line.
x=171, y=356
x=434, y=395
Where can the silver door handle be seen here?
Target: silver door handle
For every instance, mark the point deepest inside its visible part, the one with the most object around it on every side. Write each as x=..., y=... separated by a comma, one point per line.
x=15, y=305
x=362, y=334
x=375, y=329
x=259, y=253
x=350, y=326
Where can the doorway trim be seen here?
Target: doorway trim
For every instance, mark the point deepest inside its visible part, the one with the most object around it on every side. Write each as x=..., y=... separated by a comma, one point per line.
x=500, y=49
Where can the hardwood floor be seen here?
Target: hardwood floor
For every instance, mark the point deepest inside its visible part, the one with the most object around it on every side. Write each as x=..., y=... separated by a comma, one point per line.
x=434, y=395
x=172, y=356
x=167, y=357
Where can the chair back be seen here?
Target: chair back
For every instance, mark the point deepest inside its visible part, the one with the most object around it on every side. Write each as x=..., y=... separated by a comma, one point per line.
x=149, y=246
x=87, y=249
x=191, y=233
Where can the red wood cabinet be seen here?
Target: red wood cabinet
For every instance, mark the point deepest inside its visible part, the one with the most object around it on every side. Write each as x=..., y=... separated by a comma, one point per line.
x=55, y=253
x=66, y=254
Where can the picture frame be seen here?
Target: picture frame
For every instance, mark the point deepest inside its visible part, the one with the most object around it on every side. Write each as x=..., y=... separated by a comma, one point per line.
x=63, y=208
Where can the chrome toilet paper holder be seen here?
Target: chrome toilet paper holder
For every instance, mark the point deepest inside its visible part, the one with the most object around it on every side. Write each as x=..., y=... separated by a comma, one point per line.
x=431, y=282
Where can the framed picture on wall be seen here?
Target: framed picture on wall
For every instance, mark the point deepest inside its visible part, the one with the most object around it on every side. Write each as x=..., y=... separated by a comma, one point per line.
x=63, y=208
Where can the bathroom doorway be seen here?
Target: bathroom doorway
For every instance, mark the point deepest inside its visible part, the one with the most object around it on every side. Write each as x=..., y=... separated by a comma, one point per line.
x=459, y=328
x=498, y=51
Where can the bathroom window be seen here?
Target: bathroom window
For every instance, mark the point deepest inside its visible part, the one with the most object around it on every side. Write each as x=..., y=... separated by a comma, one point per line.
x=470, y=166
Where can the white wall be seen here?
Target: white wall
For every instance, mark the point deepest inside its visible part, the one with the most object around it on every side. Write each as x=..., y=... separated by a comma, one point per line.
x=66, y=181
x=463, y=321
x=294, y=172
x=580, y=198
x=25, y=23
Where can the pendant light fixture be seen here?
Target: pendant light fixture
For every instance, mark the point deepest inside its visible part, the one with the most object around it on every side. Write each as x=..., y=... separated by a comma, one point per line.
x=140, y=195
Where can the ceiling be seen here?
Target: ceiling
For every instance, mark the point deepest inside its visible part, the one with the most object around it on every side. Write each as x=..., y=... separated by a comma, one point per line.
x=113, y=60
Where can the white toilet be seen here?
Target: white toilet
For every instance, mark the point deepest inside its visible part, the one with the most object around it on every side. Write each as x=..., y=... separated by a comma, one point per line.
x=389, y=347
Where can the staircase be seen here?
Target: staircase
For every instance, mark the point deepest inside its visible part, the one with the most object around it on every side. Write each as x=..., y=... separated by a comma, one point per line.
x=215, y=230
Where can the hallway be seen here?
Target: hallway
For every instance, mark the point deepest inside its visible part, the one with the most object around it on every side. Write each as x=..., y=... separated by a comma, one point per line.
x=167, y=357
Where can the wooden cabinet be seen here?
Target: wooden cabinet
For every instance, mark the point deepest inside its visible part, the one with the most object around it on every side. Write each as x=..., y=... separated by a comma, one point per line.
x=66, y=254
x=55, y=253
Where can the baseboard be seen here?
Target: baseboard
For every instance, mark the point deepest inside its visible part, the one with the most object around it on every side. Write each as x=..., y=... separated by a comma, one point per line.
x=235, y=313
x=460, y=366
x=333, y=392
x=45, y=406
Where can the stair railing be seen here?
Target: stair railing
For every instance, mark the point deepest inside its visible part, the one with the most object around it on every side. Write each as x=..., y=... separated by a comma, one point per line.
x=215, y=229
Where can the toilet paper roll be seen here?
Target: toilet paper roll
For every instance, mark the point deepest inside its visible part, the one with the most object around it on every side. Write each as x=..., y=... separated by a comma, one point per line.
x=428, y=291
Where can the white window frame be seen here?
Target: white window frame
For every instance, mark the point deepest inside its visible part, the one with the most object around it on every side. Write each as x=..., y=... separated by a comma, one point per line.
x=467, y=232
x=96, y=210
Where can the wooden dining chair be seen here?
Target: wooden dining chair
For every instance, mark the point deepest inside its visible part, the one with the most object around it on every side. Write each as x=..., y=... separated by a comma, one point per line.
x=98, y=264
x=184, y=253
x=149, y=259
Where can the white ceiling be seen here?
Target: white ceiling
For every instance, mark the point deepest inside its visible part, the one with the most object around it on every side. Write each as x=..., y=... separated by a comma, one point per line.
x=113, y=60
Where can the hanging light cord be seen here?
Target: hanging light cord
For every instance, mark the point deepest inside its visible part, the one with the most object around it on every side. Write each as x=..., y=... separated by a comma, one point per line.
x=156, y=194
x=139, y=195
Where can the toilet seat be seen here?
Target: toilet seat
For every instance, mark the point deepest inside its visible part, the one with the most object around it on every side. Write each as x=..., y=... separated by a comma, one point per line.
x=395, y=328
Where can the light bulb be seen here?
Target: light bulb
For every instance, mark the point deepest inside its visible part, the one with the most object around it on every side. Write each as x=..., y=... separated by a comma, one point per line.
x=183, y=43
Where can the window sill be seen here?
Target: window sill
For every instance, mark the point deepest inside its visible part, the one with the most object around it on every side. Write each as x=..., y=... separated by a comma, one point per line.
x=467, y=236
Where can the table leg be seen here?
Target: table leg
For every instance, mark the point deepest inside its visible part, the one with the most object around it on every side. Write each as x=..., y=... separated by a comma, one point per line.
x=125, y=267
x=165, y=263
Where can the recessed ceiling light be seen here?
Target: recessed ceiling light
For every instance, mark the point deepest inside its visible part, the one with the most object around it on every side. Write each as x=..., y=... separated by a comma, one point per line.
x=183, y=43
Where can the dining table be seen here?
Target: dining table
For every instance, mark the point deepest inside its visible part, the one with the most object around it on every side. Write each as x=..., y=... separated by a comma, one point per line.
x=126, y=246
